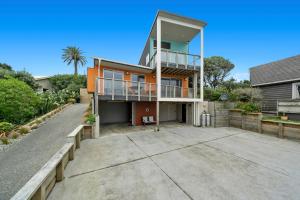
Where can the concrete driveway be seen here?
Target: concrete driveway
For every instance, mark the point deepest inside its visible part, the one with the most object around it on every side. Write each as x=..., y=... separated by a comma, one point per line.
x=183, y=163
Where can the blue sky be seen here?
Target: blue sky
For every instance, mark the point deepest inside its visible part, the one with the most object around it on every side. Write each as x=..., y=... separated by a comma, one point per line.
x=249, y=33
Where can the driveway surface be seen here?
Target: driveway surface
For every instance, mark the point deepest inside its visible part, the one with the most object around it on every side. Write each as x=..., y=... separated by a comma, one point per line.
x=24, y=159
x=183, y=163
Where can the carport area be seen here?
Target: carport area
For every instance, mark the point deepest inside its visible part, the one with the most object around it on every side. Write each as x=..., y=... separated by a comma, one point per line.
x=183, y=163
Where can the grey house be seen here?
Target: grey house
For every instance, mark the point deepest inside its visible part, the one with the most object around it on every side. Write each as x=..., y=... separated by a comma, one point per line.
x=279, y=81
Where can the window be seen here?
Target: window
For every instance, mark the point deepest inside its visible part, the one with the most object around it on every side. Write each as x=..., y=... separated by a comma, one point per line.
x=113, y=82
x=164, y=45
x=171, y=81
x=296, y=91
x=137, y=78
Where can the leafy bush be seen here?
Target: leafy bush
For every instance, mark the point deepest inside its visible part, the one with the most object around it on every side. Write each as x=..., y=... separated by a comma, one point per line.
x=249, y=107
x=5, y=127
x=18, y=102
x=20, y=75
x=62, y=81
x=247, y=94
x=27, y=78
x=90, y=119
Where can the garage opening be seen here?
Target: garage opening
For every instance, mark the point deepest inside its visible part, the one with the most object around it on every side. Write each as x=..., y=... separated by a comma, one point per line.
x=115, y=112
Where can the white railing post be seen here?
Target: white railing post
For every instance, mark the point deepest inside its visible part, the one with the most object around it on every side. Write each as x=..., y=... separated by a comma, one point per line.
x=174, y=91
x=167, y=58
x=176, y=59
x=113, y=89
x=139, y=91
x=181, y=92
x=149, y=91
x=126, y=90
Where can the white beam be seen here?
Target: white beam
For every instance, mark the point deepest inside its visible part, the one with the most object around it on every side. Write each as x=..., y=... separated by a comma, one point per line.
x=202, y=63
x=180, y=23
x=158, y=69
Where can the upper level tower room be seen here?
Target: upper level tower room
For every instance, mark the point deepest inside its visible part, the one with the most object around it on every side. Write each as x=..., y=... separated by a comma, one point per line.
x=175, y=33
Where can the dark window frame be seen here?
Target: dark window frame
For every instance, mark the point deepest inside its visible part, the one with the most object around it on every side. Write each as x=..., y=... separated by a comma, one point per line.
x=164, y=45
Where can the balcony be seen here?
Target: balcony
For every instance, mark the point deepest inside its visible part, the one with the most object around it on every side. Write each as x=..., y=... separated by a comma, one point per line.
x=176, y=62
x=110, y=89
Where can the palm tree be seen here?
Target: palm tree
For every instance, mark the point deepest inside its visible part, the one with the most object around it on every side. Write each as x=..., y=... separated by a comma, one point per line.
x=75, y=55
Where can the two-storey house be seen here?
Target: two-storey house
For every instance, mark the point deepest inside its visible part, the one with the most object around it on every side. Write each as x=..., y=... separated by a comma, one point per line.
x=167, y=84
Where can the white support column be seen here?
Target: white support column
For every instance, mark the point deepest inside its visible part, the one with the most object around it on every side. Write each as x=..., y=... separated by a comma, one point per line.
x=195, y=84
x=158, y=69
x=202, y=63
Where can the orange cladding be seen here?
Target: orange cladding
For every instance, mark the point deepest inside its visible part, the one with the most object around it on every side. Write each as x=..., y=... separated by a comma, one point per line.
x=92, y=74
x=144, y=109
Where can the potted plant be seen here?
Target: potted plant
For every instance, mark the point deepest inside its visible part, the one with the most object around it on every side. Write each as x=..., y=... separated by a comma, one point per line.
x=284, y=117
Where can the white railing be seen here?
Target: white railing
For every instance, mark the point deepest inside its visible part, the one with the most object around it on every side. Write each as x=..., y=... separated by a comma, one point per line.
x=126, y=90
x=141, y=91
x=176, y=60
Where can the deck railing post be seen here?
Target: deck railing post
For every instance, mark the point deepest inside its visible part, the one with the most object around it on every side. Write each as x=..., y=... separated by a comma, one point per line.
x=176, y=59
x=113, y=89
x=149, y=91
x=126, y=90
x=174, y=92
x=139, y=91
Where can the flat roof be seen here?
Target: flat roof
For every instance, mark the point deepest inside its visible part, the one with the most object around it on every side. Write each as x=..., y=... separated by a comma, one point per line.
x=123, y=65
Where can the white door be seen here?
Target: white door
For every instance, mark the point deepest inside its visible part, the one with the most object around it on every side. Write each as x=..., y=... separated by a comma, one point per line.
x=167, y=112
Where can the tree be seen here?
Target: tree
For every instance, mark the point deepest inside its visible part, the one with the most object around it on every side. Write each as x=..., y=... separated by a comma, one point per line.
x=5, y=66
x=216, y=69
x=232, y=84
x=75, y=55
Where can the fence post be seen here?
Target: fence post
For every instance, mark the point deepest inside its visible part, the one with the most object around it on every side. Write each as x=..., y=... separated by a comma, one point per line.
x=243, y=119
x=280, y=131
x=259, y=128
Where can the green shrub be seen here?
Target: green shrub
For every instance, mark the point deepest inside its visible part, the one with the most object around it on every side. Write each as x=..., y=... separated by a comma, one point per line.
x=5, y=127
x=18, y=102
x=90, y=119
x=247, y=94
x=62, y=81
x=24, y=130
x=249, y=107
x=4, y=141
x=71, y=100
x=27, y=78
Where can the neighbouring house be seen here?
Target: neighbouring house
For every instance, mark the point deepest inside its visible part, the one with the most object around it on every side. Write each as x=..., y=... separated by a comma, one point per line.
x=280, y=84
x=163, y=86
x=44, y=83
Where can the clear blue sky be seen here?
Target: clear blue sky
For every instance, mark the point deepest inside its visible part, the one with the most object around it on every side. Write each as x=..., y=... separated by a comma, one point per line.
x=249, y=33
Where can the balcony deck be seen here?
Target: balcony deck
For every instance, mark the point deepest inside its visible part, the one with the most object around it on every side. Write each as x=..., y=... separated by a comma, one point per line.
x=176, y=63
x=120, y=90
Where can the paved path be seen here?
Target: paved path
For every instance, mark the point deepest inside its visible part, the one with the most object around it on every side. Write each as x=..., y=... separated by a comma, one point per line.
x=24, y=159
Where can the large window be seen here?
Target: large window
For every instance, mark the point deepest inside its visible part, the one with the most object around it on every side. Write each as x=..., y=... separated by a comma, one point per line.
x=171, y=87
x=113, y=82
